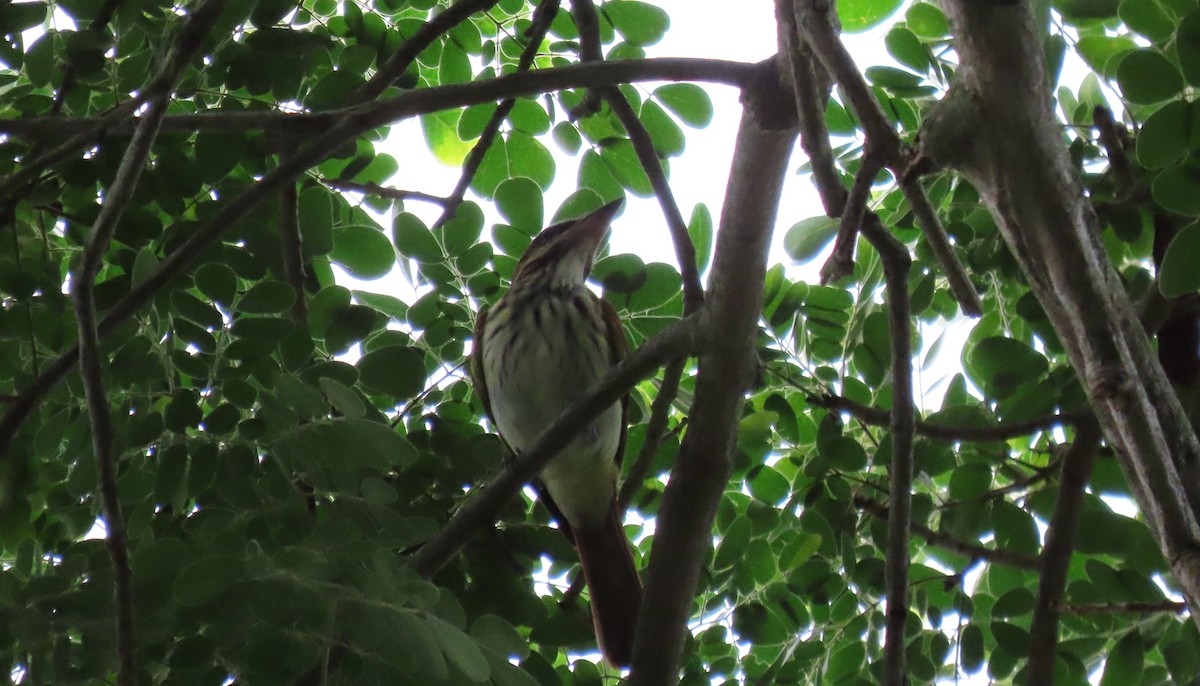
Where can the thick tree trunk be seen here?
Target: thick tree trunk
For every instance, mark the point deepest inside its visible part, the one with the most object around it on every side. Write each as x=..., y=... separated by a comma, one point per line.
x=996, y=126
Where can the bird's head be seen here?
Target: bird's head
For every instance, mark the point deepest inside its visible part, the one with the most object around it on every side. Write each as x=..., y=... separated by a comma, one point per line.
x=562, y=254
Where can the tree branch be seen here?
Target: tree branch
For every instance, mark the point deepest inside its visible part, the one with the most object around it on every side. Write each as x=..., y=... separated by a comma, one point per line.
x=841, y=261
x=643, y=146
x=1025, y=174
x=1131, y=607
x=656, y=429
x=1002, y=432
x=355, y=121
x=292, y=255
x=1112, y=137
x=945, y=541
x=588, y=23
x=414, y=45
x=410, y=103
x=816, y=25
x=683, y=338
x=542, y=17
x=811, y=88
x=896, y=266
x=382, y=191
x=1056, y=555
x=684, y=530
x=83, y=283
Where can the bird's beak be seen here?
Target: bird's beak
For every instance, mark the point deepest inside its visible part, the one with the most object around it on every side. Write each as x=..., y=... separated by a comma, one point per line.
x=590, y=229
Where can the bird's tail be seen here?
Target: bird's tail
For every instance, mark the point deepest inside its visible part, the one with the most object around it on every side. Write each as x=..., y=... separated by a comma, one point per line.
x=613, y=585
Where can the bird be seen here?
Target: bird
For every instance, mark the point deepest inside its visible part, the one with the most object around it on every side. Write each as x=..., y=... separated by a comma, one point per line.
x=543, y=344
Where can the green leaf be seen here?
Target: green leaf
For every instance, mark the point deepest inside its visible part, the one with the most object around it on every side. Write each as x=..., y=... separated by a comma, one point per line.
x=845, y=660
x=528, y=157
x=356, y=442
x=520, y=203
x=734, y=541
x=217, y=282
x=664, y=132
x=343, y=399
x=1124, y=663
x=1146, y=76
x=528, y=116
x=315, y=208
x=1002, y=365
x=808, y=237
x=687, y=101
x=396, y=370
x=364, y=251
x=455, y=66
x=641, y=23
x=40, y=60
x=700, y=230
x=267, y=297
x=462, y=230
x=333, y=90
x=1162, y=139
x=218, y=153
x=908, y=50
x=971, y=646
x=1179, y=275
x=927, y=20
x=459, y=649
x=19, y=16
x=441, y=135
x=567, y=137
x=860, y=15
x=1177, y=188
x=414, y=240
x=1101, y=51
x=970, y=481
x=1148, y=18
x=500, y=636
x=1187, y=46
x=205, y=579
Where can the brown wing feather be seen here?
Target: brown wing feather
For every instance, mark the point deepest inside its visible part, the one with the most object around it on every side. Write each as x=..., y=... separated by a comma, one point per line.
x=620, y=348
x=475, y=364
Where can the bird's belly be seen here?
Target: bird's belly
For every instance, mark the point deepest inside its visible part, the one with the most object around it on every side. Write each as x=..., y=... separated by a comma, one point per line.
x=529, y=391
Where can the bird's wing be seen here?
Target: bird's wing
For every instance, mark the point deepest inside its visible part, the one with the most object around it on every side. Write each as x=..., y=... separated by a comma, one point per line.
x=475, y=365
x=620, y=348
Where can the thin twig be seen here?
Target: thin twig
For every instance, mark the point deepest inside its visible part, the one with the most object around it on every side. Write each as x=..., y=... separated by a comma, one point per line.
x=68, y=74
x=291, y=249
x=643, y=146
x=682, y=338
x=1113, y=138
x=1056, y=555
x=540, y=26
x=896, y=267
x=588, y=23
x=382, y=191
x=811, y=88
x=1001, y=432
x=841, y=262
x=813, y=17
x=944, y=541
x=1130, y=607
x=411, y=103
x=939, y=244
x=83, y=282
x=403, y=58
x=656, y=431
